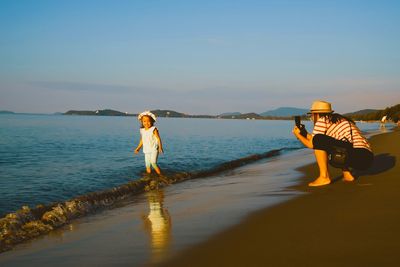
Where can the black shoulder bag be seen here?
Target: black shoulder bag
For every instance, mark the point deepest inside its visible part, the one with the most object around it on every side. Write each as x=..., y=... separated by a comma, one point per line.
x=339, y=155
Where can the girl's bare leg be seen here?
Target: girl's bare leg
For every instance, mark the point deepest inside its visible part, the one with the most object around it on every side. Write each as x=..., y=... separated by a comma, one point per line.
x=148, y=170
x=322, y=160
x=158, y=171
x=161, y=176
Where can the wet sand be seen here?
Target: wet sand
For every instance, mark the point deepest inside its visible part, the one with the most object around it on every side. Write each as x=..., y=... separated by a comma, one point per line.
x=342, y=224
x=154, y=226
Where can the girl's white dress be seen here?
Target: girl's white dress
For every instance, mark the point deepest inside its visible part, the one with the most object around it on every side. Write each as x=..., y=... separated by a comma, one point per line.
x=150, y=145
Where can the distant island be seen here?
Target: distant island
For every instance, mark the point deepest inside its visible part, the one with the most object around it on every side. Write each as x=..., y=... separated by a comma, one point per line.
x=6, y=112
x=104, y=112
x=283, y=113
x=175, y=114
x=392, y=113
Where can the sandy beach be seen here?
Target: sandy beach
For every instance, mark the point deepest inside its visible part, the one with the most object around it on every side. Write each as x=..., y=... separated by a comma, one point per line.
x=239, y=219
x=343, y=224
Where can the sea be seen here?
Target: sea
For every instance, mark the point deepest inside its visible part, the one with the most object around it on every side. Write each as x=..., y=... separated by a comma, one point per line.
x=47, y=159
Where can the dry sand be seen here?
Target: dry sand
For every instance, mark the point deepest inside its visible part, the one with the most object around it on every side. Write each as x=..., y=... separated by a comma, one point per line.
x=342, y=224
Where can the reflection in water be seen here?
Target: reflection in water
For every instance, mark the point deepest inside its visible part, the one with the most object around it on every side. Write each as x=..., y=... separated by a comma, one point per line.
x=158, y=225
x=382, y=128
x=60, y=233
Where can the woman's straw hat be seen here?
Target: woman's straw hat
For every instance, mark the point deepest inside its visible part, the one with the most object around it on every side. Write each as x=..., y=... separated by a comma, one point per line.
x=319, y=106
x=147, y=113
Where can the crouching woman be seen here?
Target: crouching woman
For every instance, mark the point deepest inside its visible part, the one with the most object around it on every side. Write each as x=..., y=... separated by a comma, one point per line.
x=334, y=130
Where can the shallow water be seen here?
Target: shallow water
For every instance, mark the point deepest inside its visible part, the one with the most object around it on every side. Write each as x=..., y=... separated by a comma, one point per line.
x=48, y=158
x=154, y=226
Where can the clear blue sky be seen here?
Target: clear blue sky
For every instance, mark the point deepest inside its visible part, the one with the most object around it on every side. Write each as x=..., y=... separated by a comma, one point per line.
x=198, y=56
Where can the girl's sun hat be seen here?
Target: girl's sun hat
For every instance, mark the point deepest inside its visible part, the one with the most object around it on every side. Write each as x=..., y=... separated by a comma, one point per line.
x=147, y=113
x=319, y=106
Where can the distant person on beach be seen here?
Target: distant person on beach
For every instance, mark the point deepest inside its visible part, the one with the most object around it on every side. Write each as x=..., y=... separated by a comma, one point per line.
x=150, y=140
x=332, y=129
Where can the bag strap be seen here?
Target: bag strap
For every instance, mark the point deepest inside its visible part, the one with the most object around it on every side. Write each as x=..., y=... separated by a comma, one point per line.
x=351, y=133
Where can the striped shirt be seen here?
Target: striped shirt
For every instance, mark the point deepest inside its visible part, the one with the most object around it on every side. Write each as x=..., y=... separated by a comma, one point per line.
x=341, y=131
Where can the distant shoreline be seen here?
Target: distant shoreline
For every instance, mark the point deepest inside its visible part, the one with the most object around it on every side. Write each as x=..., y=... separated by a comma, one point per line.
x=390, y=114
x=175, y=114
x=180, y=117
x=160, y=114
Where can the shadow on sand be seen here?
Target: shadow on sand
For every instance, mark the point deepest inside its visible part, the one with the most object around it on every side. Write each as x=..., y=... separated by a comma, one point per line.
x=382, y=163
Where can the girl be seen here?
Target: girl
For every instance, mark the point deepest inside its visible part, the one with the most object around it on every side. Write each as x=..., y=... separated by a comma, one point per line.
x=150, y=140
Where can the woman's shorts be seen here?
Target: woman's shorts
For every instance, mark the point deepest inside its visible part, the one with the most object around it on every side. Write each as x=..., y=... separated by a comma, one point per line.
x=359, y=158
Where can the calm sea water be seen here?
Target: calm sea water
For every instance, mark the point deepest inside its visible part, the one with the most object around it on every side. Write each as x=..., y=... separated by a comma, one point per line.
x=49, y=158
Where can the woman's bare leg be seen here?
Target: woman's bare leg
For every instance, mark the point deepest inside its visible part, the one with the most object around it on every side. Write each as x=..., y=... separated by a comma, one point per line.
x=322, y=160
x=347, y=176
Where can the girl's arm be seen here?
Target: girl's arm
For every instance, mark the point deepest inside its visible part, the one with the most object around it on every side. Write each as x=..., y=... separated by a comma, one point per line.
x=307, y=141
x=139, y=146
x=160, y=147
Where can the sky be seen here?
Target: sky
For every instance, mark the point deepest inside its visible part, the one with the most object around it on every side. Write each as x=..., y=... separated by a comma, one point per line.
x=198, y=57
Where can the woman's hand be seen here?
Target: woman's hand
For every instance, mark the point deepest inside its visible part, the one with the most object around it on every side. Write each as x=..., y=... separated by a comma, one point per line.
x=160, y=150
x=307, y=141
x=296, y=131
x=137, y=150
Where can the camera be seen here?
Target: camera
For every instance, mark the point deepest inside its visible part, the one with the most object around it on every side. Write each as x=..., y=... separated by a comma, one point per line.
x=302, y=128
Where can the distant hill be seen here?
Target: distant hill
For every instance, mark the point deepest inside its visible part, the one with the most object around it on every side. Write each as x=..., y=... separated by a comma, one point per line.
x=249, y=116
x=6, y=112
x=157, y=112
x=229, y=114
x=104, y=112
x=168, y=113
x=362, y=112
x=241, y=116
x=284, y=112
x=175, y=114
x=392, y=113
